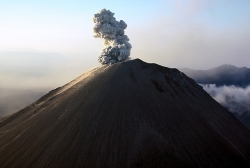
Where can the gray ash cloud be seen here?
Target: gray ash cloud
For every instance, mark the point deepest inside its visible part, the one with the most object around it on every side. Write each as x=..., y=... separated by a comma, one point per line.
x=116, y=45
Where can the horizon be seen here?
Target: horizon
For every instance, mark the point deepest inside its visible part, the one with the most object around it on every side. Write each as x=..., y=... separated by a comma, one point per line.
x=46, y=44
x=194, y=34
x=48, y=75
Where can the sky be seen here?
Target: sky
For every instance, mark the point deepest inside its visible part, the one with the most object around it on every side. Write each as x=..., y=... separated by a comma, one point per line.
x=47, y=43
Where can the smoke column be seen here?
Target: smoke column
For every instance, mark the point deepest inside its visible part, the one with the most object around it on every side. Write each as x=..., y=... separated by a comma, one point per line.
x=116, y=45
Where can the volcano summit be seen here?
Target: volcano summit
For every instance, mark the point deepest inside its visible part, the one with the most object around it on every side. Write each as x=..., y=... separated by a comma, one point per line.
x=130, y=114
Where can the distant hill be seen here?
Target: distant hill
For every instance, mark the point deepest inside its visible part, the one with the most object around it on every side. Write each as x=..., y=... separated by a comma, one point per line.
x=221, y=75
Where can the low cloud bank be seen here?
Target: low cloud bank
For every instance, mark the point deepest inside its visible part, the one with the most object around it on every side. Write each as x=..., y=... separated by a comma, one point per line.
x=235, y=99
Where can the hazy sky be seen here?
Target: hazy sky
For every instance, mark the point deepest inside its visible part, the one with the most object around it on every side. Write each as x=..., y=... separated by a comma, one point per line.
x=43, y=38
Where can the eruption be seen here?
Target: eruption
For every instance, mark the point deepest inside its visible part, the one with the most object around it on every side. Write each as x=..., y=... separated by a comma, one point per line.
x=117, y=48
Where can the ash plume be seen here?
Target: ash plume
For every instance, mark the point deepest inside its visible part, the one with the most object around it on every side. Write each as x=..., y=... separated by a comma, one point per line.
x=116, y=45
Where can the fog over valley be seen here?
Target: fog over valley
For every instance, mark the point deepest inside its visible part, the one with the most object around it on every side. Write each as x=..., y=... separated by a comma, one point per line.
x=13, y=100
x=235, y=99
x=26, y=76
x=229, y=85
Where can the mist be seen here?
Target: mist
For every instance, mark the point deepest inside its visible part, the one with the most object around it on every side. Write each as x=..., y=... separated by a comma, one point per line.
x=235, y=99
x=40, y=71
x=13, y=100
x=26, y=76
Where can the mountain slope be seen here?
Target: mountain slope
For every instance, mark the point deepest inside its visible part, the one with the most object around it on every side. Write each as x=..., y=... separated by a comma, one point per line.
x=131, y=114
x=222, y=75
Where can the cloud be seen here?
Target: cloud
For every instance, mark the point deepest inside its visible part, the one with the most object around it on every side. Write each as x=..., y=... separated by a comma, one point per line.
x=235, y=99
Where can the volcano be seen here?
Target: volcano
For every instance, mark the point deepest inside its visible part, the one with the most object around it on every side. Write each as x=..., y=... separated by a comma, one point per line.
x=130, y=114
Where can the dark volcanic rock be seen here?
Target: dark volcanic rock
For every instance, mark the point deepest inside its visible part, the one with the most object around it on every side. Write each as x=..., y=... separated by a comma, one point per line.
x=130, y=114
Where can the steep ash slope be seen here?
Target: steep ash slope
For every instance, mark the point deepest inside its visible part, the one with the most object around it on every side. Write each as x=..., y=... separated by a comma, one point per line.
x=130, y=114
